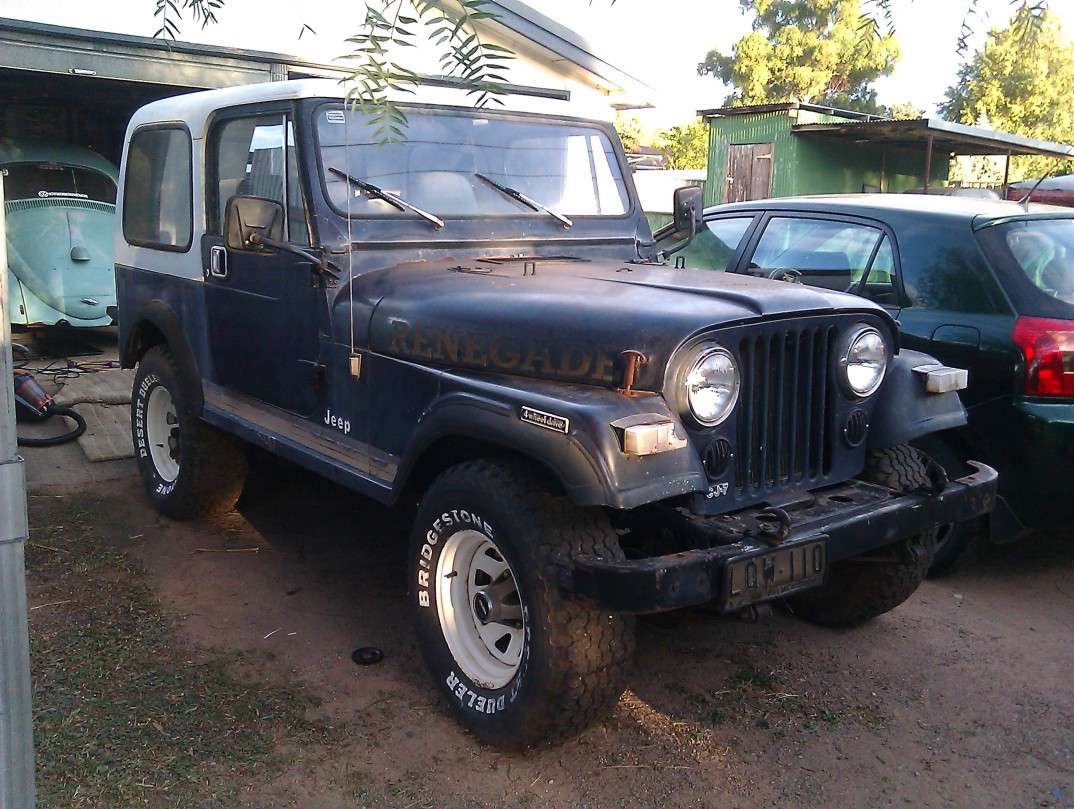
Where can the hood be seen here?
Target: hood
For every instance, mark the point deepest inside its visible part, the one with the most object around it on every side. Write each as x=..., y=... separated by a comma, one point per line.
x=564, y=319
x=63, y=255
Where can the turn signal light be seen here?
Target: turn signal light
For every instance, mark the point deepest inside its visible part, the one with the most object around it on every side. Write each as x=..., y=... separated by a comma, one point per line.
x=1048, y=347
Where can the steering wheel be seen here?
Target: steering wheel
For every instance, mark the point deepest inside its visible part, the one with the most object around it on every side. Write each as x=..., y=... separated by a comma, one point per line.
x=785, y=274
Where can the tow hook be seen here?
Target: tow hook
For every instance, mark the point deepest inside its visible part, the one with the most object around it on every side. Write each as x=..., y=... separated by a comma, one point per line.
x=755, y=612
x=914, y=553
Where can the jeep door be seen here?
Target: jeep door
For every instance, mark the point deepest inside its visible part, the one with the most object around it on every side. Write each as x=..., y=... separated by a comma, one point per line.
x=262, y=307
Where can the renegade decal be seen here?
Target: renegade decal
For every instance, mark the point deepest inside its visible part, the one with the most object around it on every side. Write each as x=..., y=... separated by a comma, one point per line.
x=503, y=353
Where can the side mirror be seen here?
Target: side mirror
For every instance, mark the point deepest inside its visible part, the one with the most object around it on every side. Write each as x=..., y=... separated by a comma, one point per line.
x=249, y=220
x=687, y=209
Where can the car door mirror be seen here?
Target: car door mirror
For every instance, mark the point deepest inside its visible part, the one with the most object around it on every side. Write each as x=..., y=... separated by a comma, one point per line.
x=250, y=222
x=687, y=209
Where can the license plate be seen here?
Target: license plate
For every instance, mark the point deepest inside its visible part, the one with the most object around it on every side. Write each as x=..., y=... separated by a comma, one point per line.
x=774, y=573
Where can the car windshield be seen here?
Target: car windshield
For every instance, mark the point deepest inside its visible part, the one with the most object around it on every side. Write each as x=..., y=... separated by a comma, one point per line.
x=1044, y=250
x=460, y=165
x=57, y=180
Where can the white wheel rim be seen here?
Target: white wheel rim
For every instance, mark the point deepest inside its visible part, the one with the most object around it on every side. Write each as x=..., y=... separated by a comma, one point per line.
x=162, y=432
x=480, y=609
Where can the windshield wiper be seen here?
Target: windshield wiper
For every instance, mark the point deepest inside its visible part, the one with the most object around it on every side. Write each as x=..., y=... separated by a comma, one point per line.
x=518, y=196
x=389, y=197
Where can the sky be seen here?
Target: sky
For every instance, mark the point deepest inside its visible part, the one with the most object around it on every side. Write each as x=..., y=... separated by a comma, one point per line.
x=659, y=43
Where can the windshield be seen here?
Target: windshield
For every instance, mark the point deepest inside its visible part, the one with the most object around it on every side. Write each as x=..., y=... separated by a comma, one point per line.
x=1043, y=250
x=48, y=180
x=554, y=168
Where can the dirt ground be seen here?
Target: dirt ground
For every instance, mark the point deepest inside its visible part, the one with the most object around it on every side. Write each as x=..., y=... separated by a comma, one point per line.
x=963, y=697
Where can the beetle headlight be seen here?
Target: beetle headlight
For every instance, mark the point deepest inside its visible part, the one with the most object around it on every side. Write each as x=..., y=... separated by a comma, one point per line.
x=863, y=361
x=712, y=386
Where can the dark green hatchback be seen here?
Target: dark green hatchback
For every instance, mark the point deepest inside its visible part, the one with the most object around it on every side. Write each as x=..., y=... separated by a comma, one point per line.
x=983, y=285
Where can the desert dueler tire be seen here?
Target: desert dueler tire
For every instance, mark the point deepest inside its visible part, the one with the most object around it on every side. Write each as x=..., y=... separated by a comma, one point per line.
x=518, y=662
x=859, y=589
x=189, y=468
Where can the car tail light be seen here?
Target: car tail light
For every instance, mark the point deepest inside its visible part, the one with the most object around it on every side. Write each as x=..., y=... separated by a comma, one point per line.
x=1048, y=347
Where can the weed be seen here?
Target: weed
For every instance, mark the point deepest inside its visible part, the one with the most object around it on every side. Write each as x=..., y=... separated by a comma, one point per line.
x=125, y=713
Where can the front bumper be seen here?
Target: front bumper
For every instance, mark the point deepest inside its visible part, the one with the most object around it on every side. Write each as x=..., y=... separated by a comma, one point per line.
x=849, y=519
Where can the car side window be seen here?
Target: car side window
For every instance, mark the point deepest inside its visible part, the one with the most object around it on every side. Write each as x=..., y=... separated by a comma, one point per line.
x=256, y=157
x=827, y=253
x=157, y=207
x=716, y=243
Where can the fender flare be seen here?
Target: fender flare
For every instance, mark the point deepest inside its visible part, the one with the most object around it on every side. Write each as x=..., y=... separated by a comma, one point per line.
x=587, y=461
x=158, y=316
x=905, y=410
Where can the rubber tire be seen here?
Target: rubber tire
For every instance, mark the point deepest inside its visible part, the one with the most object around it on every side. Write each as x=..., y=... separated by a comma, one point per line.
x=859, y=589
x=958, y=545
x=211, y=463
x=573, y=657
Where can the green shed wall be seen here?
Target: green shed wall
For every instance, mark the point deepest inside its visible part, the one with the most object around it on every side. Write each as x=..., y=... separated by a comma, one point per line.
x=808, y=165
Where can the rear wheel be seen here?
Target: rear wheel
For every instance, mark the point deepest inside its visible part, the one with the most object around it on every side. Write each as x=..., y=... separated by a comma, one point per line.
x=518, y=663
x=861, y=588
x=189, y=468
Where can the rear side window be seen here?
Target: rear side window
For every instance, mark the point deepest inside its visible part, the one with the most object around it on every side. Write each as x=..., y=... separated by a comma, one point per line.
x=1034, y=258
x=157, y=208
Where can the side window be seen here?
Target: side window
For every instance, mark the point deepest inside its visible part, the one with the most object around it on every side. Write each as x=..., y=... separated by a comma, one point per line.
x=715, y=243
x=826, y=253
x=157, y=209
x=256, y=157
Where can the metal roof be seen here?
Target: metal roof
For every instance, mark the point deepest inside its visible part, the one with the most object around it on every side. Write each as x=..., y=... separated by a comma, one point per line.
x=945, y=136
x=785, y=106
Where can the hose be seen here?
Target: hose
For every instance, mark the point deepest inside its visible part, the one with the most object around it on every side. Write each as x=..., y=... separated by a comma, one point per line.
x=52, y=441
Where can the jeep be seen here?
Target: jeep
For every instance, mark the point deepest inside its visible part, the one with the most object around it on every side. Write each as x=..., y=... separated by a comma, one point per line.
x=474, y=318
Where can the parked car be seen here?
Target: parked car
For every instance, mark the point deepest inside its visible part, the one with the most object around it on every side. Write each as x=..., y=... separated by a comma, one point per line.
x=472, y=318
x=60, y=205
x=982, y=285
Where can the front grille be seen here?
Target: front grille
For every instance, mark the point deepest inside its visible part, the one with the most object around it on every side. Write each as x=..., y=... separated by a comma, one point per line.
x=783, y=413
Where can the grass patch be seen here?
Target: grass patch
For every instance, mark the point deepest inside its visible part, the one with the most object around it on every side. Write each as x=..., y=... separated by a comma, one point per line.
x=125, y=712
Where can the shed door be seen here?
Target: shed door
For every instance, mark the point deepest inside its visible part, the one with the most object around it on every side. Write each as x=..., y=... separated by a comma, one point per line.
x=749, y=172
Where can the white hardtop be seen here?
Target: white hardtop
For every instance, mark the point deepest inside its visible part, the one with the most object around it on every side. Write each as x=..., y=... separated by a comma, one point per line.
x=195, y=110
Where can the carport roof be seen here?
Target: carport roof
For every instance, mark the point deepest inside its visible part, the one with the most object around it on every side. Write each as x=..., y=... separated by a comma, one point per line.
x=936, y=135
x=958, y=139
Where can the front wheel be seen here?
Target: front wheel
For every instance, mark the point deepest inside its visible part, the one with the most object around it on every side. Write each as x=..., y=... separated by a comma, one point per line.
x=517, y=661
x=189, y=468
x=859, y=589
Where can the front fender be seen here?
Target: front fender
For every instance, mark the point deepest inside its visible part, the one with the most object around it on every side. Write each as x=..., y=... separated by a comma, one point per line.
x=905, y=410
x=578, y=443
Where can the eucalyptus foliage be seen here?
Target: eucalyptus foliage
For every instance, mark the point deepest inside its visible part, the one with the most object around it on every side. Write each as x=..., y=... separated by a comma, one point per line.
x=806, y=50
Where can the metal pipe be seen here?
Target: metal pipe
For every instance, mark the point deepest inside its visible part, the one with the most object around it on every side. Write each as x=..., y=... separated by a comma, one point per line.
x=928, y=160
x=16, y=719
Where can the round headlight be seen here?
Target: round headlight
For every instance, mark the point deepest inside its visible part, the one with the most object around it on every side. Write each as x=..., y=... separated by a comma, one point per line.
x=712, y=386
x=864, y=361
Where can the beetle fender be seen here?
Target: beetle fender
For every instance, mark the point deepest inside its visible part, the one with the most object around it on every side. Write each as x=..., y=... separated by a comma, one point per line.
x=905, y=410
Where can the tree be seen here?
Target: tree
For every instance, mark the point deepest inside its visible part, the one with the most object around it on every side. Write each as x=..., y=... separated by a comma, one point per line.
x=907, y=110
x=805, y=50
x=630, y=132
x=1020, y=89
x=685, y=146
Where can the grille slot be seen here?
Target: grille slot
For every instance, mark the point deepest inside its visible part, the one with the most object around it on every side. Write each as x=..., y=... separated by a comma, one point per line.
x=782, y=417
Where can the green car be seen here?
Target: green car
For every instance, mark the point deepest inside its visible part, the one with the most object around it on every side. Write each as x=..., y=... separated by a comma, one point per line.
x=982, y=285
x=60, y=207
